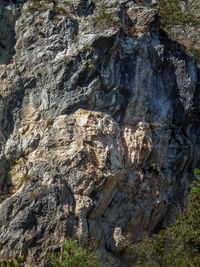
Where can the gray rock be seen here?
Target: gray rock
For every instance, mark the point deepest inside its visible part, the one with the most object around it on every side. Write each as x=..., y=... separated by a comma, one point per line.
x=99, y=127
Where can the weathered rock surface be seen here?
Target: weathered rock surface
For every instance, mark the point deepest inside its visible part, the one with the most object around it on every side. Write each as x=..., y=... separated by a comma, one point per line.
x=190, y=34
x=99, y=126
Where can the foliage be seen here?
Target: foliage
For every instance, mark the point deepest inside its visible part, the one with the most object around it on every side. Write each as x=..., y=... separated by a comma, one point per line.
x=181, y=15
x=3, y=196
x=171, y=14
x=12, y=261
x=178, y=244
x=90, y=65
x=156, y=169
x=72, y=255
x=105, y=19
x=38, y=5
x=16, y=162
x=102, y=11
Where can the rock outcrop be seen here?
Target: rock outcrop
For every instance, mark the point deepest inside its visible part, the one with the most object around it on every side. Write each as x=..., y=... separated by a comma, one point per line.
x=99, y=126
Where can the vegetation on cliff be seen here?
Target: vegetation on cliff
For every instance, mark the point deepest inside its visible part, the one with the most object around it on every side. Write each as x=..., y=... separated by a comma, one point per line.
x=178, y=244
x=177, y=12
x=72, y=255
x=180, y=19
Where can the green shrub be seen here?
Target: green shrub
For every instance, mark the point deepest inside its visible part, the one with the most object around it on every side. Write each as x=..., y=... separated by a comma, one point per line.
x=72, y=255
x=105, y=19
x=12, y=261
x=156, y=169
x=16, y=162
x=102, y=11
x=179, y=244
x=170, y=13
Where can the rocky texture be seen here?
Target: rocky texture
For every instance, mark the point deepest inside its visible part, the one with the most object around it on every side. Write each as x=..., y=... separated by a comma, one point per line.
x=99, y=132
x=8, y=16
x=189, y=34
x=181, y=21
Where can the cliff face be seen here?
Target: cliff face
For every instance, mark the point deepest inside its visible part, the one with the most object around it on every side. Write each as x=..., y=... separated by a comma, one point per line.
x=99, y=125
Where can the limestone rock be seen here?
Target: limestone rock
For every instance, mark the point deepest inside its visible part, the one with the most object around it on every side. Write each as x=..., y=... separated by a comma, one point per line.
x=99, y=126
x=143, y=17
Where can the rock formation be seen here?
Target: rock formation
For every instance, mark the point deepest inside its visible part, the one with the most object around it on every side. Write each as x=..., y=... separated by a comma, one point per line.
x=99, y=126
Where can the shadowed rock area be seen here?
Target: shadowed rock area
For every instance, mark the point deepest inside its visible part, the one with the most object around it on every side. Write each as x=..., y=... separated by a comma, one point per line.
x=99, y=126
x=8, y=16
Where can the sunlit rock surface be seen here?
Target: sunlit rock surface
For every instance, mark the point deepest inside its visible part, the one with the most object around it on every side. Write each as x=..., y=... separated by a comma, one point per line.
x=99, y=126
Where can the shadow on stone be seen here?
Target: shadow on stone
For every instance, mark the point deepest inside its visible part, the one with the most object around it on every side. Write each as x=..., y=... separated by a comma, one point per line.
x=8, y=18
